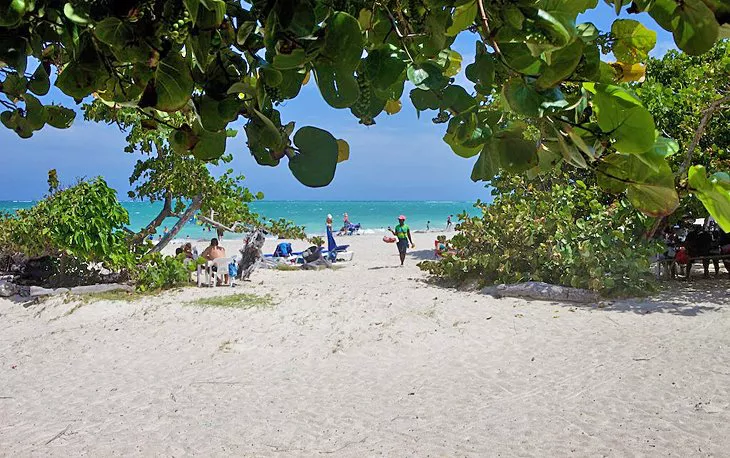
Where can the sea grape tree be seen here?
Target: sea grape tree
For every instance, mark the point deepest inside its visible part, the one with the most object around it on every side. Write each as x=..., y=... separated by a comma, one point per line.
x=214, y=62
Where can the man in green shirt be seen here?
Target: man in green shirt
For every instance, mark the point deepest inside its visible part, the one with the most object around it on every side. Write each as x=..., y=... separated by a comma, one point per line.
x=403, y=233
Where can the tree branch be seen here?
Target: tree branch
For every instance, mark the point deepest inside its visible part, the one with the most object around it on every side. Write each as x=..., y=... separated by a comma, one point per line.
x=155, y=223
x=184, y=218
x=684, y=168
x=485, y=26
x=709, y=112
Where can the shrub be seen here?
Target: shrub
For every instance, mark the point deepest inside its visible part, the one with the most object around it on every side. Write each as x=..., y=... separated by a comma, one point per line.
x=157, y=272
x=566, y=234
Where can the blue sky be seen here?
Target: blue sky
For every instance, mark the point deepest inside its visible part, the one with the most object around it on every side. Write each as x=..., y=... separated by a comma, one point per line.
x=400, y=158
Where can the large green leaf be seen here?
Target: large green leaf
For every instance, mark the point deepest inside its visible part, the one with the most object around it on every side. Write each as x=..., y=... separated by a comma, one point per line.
x=113, y=31
x=295, y=59
x=338, y=87
x=649, y=188
x=427, y=75
x=714, y=193
x=173, y=83
x=425, y=100
x=39, y=83
x=463, y=18
x=621, y=115
x=343, y=42
x=521, y=97
x=481, y=71
x=383, y=66
x=516, y=155
x=561, y=64
x=315, y=163
x=692, y=23
x=60, y=117
x=633, y=41
x=486, y=166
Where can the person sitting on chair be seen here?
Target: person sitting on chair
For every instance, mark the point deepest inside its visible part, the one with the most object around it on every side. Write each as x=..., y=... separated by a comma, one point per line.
x=214, y=251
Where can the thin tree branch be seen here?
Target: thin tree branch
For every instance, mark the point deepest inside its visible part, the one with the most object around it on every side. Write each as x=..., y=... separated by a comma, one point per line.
x=184, y=218
x=485, y=26
x=155, y=223
x=709, y=112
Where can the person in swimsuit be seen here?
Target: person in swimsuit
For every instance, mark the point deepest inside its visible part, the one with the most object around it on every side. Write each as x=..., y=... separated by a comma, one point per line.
x=403, y=234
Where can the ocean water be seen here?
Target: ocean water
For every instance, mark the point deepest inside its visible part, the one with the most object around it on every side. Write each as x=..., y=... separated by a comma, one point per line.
x=374, y=216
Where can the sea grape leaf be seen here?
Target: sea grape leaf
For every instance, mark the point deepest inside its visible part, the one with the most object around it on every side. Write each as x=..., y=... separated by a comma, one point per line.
x=633, y=41
x=343, y=150
x=315, y=163
x=393, y=106
x=621, y=115
x=210, y=146
x=295, y=59
x=427, y=75
x=481, y=73
x=343, y=41
x=487, y=165
x=693, y=24
x=713, y=192
x=456, y=99
x=516, y=155
x=60, y=117
x=173, y=83
x=561, y=64
x=39, y=83
x=338, y=87
x=425, y=100
x=383, y=66
x=650, y=189
x=463, y=18
x=521, y=97
x=453, y=66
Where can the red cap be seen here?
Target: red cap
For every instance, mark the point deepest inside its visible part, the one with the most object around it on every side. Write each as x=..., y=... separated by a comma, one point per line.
x=401, y=217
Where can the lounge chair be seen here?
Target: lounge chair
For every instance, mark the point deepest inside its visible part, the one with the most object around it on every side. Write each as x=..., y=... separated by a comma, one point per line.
x=336, y=252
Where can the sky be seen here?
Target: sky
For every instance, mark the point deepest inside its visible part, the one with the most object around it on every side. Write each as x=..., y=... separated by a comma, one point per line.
x=402, y=157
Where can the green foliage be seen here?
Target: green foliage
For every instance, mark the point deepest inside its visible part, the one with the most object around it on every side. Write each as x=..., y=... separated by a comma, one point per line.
x=317, y=240
x=84, y=221
x=202, y=64
x=158, y=272
x=564, y=233
x=678, y=91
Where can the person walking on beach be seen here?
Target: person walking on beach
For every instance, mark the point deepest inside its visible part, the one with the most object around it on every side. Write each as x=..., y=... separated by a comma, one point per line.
x=403, y=234
x=448, y=222
x=428, y=226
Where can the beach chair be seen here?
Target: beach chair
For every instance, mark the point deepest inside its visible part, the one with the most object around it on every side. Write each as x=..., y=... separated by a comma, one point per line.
x=336, y=252
x=221, y=270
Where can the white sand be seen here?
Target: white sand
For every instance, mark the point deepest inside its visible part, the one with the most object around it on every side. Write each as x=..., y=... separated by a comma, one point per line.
x=367, y=360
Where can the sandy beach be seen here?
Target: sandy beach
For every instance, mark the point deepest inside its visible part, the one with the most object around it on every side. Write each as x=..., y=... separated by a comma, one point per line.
x=369, y=359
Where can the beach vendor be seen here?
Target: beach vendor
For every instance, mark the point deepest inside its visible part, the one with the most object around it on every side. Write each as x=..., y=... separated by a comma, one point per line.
x=403, y=234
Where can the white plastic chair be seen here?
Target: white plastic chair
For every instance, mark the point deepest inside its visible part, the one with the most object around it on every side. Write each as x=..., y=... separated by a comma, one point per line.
x=221, y=265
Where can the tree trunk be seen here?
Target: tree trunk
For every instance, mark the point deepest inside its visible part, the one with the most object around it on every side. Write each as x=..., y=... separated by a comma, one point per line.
x=184, y=218
x=166, y=211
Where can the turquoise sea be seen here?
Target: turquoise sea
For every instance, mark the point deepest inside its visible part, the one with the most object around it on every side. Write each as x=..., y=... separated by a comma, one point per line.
x=374, y=216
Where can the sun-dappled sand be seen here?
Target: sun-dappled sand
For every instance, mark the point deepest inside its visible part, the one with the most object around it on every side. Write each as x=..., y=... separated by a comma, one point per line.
x=369, y=359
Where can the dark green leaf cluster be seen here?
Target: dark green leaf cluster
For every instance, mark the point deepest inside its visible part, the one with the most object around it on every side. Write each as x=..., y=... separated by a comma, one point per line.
x=195, y=66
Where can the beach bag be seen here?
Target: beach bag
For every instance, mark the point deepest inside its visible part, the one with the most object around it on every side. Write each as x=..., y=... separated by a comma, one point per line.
x=283, y=250
x=311, y=254
x=682, y=256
